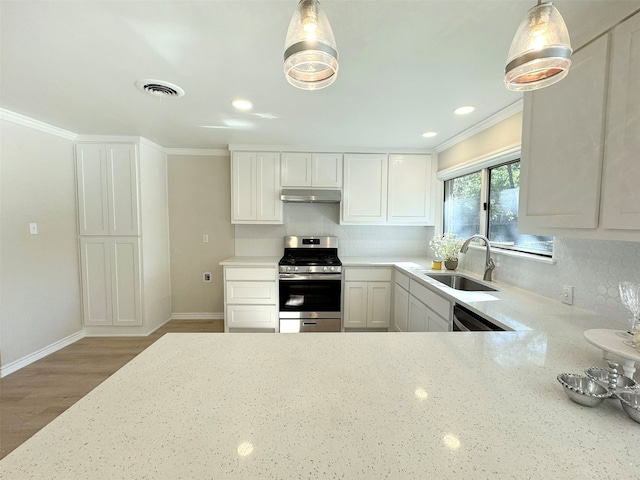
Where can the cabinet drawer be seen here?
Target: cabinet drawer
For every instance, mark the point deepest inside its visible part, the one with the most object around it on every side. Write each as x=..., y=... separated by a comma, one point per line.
x=367, y=274
x=250, y=273
x=434, y=301
x=251, y=293
x=251, y=316
x=402, y=280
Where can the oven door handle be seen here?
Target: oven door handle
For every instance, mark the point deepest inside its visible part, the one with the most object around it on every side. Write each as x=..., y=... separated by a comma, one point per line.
x=317, y=276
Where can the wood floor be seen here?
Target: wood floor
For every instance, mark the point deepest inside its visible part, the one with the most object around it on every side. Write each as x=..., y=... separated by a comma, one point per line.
x=36, y=394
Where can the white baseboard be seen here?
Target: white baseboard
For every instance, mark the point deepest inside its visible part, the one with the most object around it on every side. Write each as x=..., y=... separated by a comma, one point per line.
x=43, y=352
x=197, y=316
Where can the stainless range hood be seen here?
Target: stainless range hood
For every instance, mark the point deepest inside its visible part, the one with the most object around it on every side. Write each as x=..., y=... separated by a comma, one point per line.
x=310, y=196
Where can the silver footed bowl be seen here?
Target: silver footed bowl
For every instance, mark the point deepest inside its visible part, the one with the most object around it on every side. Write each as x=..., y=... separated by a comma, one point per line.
x=583, y=390
x=630, y=401
x=601, y=376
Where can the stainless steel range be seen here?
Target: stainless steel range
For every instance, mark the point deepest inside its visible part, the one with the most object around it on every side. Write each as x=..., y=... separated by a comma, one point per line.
x=310, y=285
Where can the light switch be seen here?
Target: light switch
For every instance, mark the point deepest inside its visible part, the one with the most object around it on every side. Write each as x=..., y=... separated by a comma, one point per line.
x=205, y=238
x=33, y=228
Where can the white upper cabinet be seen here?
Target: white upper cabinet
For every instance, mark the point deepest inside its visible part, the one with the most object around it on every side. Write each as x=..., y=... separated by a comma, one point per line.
x=255, y=188
x=621, y=183
x=108, y=198
x=365, y=189
x=580, y=167
x=562, y=141
x=411, y=189
x=317, y=170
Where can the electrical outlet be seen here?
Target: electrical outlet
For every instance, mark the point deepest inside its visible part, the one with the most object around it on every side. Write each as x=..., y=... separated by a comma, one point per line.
x=567, y=294
x=205, y=238
x=206, y=277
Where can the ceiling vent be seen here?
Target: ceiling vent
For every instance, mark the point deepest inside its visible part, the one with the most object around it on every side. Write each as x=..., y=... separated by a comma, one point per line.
x=159, y=88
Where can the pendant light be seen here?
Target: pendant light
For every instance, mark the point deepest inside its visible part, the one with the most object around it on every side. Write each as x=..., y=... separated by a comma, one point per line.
x=540, y=54
x=310, y=56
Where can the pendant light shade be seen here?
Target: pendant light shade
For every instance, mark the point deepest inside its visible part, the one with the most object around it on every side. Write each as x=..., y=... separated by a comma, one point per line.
x=310, y=56
x=540, y=54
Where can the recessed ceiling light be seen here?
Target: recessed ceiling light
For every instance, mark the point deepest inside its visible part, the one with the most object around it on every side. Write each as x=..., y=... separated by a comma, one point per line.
x=242, y=104
x=429, y=134
x=465, y=110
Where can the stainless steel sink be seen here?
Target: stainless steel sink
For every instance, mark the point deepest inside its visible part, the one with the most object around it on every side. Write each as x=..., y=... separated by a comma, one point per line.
x=460, y=282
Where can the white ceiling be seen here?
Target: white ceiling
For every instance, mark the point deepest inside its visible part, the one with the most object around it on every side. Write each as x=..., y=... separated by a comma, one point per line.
x=404, y=67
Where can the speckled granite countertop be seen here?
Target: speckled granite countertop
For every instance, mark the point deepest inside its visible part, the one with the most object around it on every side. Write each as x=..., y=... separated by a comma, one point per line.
x=339, y=406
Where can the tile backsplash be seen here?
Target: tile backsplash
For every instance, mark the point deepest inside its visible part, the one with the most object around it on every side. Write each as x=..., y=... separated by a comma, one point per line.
x=324, y=219
x=593, y=267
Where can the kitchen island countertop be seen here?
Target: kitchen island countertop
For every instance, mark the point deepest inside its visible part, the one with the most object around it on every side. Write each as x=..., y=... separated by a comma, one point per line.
x=327, y=406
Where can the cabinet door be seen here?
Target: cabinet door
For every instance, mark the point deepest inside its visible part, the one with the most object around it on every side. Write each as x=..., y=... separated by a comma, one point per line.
x=295, y=170
x=621, y=192
x=122, y=181
x=258, y=293
x=562, y=142
x=251, y=316
x=378, y=304
x=401, y=309
x=355, y=305
x=326, y=170
x=411, y=190
x=95, y=260
x=93, y=203
x=243, y=187
x=269, y=205
x=417, y=315
x=435, y=323
x=365, y=189
x=125, y=281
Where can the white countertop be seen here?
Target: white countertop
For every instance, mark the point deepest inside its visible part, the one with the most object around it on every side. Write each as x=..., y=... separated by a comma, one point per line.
x=251, y=261
x=349, y=406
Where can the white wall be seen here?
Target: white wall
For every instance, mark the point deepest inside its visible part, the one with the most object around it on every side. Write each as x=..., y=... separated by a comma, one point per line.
x=199, y=204
x=39, y=274
x=323, y=219
x=593, y=267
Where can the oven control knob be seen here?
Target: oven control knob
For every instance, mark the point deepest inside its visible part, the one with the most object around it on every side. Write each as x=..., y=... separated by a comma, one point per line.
x=295, y=269
x=332, y=269
x=324, y=269
x=288, y=269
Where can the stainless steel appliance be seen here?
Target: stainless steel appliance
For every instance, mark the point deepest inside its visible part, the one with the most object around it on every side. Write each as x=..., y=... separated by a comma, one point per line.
x=310, y=285
x=464, y=320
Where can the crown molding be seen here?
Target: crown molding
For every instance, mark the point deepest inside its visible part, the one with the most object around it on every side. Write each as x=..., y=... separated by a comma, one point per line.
x=488, y=122
x=311, y=149
x=25, y=121
x=216, y=152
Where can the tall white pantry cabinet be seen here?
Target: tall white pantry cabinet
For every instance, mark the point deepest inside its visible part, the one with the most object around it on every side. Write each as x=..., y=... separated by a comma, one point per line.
x=122, y=213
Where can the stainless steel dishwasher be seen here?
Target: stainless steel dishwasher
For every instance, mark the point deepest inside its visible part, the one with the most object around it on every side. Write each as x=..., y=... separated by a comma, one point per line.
x=464, y=320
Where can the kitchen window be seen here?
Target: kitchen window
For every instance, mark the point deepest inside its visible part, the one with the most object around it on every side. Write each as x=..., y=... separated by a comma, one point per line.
x=486, y=202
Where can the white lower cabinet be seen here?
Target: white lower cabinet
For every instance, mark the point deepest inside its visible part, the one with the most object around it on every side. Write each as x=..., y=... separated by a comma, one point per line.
x=250, y=297
x=111, y=281
x=400, y=309
x=367, y=297
x=423, y=319
x=401, y=302
x=419, y=309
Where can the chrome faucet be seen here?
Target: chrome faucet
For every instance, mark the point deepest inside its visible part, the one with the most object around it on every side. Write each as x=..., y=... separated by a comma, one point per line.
x=489, y=264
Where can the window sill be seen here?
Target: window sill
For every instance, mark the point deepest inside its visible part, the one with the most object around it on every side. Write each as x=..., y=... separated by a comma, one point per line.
x=511, y=253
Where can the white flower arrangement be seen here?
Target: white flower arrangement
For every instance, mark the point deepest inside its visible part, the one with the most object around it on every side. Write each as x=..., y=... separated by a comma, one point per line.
x=447, y=246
